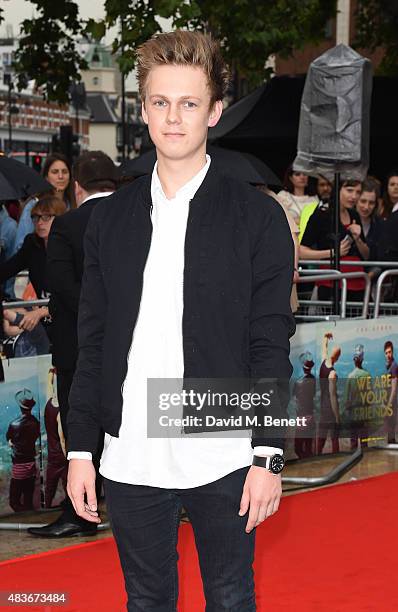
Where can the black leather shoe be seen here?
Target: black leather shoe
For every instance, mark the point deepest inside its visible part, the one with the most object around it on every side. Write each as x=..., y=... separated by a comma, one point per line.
x=62, y=528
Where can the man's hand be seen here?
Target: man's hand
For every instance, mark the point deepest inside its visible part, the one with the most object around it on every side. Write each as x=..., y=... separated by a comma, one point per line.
x=261, y=492
x=81, y=480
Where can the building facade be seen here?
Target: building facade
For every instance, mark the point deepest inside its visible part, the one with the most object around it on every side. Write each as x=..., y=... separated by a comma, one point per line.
x=339, y=30
x=28, y=122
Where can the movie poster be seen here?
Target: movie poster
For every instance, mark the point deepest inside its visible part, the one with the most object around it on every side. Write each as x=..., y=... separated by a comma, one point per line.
x=33, y=467
x=344, y=384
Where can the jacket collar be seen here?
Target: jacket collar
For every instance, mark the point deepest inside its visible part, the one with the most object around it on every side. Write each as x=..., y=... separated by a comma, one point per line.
x=210, y=187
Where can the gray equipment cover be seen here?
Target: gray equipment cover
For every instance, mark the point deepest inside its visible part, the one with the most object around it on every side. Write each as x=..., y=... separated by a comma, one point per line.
x=335, y=116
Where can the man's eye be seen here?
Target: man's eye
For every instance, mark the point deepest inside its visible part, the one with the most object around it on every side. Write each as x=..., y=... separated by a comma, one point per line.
x=189, y=104
x=160, y=103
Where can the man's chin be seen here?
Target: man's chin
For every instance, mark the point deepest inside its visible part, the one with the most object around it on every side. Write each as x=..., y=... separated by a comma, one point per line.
x=176, y=153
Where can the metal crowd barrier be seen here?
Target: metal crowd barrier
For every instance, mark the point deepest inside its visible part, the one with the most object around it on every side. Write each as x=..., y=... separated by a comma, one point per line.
x=333, y=476
x=379, y=286
x=363, y=264
x=374, y=309
x=25, y=304
x=314, y=276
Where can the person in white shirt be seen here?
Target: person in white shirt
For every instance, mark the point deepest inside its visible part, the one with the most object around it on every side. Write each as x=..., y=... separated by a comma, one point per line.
x=187, y=276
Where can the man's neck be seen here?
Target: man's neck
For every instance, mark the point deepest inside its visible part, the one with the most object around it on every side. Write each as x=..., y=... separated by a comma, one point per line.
x=174, y=174
x=82, y=198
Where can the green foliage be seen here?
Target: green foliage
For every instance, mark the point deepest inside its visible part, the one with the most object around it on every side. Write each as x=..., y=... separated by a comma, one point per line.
x=47, y=49
x=249, y=30
x=377, y=26
x=252, y=31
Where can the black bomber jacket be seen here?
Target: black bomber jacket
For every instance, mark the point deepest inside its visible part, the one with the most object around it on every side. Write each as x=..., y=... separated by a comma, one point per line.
x=237, y=282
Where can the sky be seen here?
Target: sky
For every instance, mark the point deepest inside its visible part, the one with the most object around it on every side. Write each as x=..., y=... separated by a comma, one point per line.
x=17, y=10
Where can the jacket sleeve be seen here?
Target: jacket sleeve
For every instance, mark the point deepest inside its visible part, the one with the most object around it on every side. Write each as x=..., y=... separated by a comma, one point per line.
x=85, y=394
x=271, y=320
x=60, y=266
x=16, y=263
x=25, y=224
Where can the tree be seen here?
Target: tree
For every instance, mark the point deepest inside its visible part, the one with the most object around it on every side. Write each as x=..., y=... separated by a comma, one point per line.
x=377, y=26
x=47, y=48
x=249, y=32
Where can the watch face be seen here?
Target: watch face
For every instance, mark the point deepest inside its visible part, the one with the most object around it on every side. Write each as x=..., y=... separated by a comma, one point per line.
x=276, y=464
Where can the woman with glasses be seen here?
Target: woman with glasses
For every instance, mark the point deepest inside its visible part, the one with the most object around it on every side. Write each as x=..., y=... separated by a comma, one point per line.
x=32, y=257
x=57, y=172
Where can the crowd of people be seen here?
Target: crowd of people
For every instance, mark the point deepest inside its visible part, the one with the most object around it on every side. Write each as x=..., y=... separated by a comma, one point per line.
x=367, y=224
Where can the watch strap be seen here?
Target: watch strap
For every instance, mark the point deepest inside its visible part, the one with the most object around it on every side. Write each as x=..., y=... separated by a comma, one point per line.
x=261, y=461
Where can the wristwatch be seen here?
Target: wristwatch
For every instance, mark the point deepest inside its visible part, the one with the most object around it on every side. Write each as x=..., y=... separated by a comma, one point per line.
x=273, y=464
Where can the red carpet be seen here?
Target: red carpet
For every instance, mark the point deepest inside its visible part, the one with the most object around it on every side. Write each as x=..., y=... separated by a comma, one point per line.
x=333, y=550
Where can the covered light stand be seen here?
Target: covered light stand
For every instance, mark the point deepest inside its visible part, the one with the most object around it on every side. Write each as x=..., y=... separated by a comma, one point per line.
x=334, y=129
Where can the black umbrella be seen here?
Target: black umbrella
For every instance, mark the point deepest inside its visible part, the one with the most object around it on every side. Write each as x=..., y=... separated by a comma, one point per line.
x=242, y=166
x=18, y=181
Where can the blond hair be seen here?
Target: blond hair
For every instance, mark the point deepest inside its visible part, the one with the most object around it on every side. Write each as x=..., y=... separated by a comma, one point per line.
x=184, y=48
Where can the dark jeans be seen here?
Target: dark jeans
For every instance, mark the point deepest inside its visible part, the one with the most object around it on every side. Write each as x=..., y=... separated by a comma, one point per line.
x=145, y=525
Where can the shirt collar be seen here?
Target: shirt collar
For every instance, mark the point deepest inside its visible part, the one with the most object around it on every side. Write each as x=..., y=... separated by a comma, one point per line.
x=395, y=207
x=99, y=194
x=188, y=190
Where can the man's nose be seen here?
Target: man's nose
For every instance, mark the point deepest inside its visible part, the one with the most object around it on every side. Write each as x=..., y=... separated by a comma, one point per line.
x=173, y=115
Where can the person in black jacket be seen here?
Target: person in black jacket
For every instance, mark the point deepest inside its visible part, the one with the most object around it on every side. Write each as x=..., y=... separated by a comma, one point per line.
x=187, y=276
x=95, y=178
x=32, y=256
x=318, y=235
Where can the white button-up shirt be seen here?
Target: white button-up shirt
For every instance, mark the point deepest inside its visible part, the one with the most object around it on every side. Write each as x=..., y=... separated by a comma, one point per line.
x=157, y=352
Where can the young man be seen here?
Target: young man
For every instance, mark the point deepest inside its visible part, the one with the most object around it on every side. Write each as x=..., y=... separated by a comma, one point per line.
x=187, y=276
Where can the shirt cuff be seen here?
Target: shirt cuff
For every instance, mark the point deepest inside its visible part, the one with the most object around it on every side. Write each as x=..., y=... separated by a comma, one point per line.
x=80, y=455
x=266, y=451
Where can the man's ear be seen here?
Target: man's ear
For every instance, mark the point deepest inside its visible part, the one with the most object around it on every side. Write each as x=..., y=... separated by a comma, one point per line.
x=143, y=112
x=215, y=113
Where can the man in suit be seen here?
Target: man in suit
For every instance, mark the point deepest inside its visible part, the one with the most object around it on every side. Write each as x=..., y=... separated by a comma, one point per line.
x=187, y=275
x=95, y=179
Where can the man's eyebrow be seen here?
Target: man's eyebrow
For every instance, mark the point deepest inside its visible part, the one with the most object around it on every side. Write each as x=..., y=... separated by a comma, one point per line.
x=186, y=97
